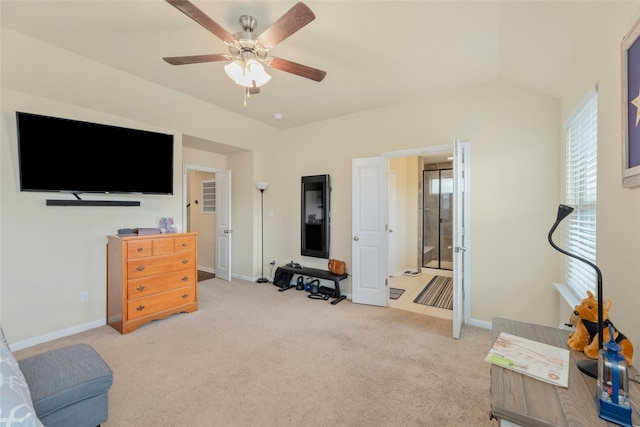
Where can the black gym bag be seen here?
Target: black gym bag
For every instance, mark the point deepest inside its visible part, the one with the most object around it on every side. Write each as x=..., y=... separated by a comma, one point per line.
x=282, y=279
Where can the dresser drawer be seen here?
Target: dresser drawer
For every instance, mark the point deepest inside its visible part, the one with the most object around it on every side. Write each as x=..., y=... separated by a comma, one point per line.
x=144, y=267
x=164, y=246
x=146, y=286
x=139, y=249
x=185, y=244
x=166, y=300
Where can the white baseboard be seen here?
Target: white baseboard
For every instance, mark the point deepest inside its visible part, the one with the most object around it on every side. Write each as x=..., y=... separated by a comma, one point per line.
x=207, y=269
x=55, y=335
x=479, y=323
x=241, y=277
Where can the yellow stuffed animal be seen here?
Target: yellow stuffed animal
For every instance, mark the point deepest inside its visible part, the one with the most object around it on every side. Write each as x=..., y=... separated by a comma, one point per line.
x=585, y=337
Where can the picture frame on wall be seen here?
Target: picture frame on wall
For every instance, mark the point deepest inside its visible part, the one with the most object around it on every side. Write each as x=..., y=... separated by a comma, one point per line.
x=631, y=107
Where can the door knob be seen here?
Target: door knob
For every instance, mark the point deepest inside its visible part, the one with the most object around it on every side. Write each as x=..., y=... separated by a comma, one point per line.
x=356, y=238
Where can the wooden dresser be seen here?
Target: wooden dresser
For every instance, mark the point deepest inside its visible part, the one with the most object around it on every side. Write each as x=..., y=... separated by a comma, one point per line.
x=150, y=277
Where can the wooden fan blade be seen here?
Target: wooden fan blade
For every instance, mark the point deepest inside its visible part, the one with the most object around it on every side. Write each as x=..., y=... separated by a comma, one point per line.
x=201, y=18
x=196, y=59
x=297, y=17
x=297, y=69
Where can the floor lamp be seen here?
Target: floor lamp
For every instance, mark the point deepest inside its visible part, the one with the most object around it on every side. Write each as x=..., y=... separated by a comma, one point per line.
x=589, y=367
x=262, y=185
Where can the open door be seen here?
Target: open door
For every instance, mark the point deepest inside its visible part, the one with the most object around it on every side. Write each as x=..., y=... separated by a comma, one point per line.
x=392, y=240
x=461, y=252
x=369, y=239
x=223, y=225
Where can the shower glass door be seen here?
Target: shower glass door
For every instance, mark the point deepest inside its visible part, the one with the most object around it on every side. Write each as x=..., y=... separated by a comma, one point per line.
x=437, y=219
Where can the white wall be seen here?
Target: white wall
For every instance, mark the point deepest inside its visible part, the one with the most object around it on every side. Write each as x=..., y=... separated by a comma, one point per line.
x=50, y=254
x=514, y=136
x=407, y=211
x=618, y=226
x=398, y=165
x=505, y=123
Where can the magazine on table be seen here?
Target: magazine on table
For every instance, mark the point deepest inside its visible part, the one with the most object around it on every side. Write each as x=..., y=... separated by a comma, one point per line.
x=535, y=359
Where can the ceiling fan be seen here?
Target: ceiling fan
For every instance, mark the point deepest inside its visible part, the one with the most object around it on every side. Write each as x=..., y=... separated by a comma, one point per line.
x=248, y=52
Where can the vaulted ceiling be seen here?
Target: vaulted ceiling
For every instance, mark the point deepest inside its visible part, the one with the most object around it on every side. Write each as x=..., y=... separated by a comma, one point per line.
x=375, y=53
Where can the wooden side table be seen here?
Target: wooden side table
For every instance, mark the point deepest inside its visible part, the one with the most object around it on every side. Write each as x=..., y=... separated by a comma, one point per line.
x=517, y=399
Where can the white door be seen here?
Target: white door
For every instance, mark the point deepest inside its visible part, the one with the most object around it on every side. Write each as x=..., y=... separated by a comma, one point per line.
x=461, y=251
x=223, y=225
x=392, y=238
x=369, y=239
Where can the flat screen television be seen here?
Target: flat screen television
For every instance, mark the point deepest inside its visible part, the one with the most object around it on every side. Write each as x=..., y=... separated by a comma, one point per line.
x=63, y=155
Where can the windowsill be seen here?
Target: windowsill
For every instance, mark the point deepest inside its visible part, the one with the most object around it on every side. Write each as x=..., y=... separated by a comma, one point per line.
x=567, y=295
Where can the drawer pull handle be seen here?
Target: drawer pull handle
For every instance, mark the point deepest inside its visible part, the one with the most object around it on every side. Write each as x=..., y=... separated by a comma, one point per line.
x=140, y=288
x=140, y=267
x=184, y=261
x=185, y=295
x=185, y=278
x=140, y=307
x=140, y=249
x=185, y=245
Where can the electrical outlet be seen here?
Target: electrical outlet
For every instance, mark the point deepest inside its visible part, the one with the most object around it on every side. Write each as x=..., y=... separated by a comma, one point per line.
x=273, y=262
x=84, y=296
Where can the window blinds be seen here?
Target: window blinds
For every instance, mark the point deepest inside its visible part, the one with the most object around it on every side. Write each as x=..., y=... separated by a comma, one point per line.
x=581, y=194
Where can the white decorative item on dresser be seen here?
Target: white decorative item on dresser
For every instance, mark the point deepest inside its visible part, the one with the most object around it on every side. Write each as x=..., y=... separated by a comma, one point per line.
x=150, y=277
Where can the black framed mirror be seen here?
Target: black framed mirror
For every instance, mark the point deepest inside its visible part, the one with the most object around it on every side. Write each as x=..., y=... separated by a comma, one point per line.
x=315, y=216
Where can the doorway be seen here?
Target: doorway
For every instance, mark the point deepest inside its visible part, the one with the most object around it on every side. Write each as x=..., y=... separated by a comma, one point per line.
x=437, y=216
x=370, y=227
x=200, y=212
x=424, y=241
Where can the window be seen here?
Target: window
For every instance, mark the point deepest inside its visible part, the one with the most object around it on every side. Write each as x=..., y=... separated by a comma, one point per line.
x=208, y=197
x=441, y=185
x=581, y=180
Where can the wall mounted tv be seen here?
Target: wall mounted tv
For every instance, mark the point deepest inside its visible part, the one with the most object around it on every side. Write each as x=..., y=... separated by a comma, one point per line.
x=62, y=155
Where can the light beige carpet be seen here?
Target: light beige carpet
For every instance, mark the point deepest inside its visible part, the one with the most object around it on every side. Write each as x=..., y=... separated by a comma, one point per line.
x=253, y=356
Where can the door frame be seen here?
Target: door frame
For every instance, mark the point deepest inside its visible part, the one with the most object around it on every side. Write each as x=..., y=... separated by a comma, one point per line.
x=392, y=220
x=185, y=186
x=420, y=152
x=461, y=234
x=186, y=168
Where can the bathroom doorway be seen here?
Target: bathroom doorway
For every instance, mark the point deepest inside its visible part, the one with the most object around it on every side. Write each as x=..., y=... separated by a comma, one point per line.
x=372, y=172
x=437, y=216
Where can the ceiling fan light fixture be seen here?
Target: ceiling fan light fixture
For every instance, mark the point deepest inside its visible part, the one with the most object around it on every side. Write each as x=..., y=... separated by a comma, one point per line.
x=235, y=70
x=247, y=72
x=255, y=73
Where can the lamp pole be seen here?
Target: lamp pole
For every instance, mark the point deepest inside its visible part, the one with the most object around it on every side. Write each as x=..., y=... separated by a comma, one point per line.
x=262, y=185
x=589, y=367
